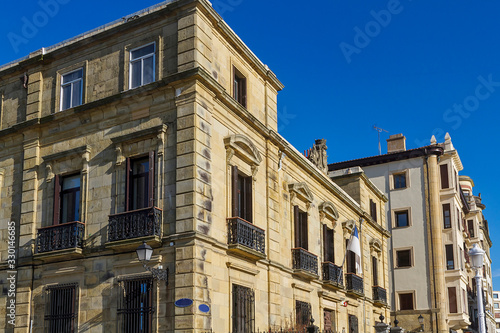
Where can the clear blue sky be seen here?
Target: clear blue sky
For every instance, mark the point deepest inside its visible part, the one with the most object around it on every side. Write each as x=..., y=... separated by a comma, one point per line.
x=409, y=72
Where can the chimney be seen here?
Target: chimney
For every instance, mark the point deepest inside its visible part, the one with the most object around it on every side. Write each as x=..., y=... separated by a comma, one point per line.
x=395, y=143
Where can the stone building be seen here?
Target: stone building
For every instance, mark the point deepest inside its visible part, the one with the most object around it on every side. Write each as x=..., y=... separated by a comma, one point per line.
x=496, y=310
x=161, y=128
x=434, y=220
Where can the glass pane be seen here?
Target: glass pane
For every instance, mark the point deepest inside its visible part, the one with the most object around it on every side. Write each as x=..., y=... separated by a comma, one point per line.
x=66, y=97
x=140, y=166
x=77, y=93
x=72, y=76
x=402, y=219
x=71, y=182
x=70, y=206
x=149, y=75
x=142, y=51
x=140, y=194
x=135, y=80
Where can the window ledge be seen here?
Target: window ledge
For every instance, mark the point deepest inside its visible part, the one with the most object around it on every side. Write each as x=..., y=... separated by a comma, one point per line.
x=131, y=244
x=246, y=252
x=302, y=273
x=58, y=255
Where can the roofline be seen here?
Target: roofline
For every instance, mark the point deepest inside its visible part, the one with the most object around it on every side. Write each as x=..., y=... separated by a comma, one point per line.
x=391, y=157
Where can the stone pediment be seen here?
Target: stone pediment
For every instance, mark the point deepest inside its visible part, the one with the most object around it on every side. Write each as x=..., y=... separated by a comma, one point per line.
x=302, y=191
x=328, y=209
x=243, y=147
x=375, y=245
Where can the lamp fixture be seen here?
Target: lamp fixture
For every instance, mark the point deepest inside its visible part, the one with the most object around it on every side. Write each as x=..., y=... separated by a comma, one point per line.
x=144, y=253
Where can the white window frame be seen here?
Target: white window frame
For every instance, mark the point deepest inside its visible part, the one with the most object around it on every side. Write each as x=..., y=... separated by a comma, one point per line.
x=141, y=59
x=71, y=83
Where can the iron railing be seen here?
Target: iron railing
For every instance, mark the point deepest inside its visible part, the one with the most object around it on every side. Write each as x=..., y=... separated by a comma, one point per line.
x=379, y=295
x=304, y=260
x=354, y=283
x=332, y=273
x=60, y=237
x=61, y=310
x=241, y=232
x=243, y=309
x=136, y=306
x=135, y=224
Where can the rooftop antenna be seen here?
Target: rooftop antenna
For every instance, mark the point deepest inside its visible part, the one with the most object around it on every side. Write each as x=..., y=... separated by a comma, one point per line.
x=379, y=130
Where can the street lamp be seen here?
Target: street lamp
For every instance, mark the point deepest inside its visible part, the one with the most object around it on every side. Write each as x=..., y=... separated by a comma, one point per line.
x=477, y=254
x=144, y=253
x=421, y=322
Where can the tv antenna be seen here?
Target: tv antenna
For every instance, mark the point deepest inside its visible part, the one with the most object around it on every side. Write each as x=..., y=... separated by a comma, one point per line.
x=379, y=130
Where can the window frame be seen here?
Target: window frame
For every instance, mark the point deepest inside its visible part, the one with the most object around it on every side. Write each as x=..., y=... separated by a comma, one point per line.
x=375, y=271
x=125, y=306
x=248, y=305
x=401, y=293
x=69, y=293
x=141, y=59
x=410, y=259
x=444, y=176
x=446, y=207
x=373, y=210
x=452, y=296
x=240, y=87
x=129, y=190
x=71, y=84
x=397, y=212
x=393, y=182
x=59, y=199
x=300, y=308
x=300, y=219
x=241, y=197
x=449, y=252
x=328, y=244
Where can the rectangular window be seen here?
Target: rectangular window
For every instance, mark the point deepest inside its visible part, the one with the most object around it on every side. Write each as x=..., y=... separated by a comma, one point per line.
x=403, y=258
x=406, y=301
x=470, y=228
x=66, y=199
x=302, y=314
x=61, y=312
x=329, y=321
x=71, y=89
x=445, y=183
x=373, y=210
x=375, y=271
x=300, y=221
x=399, y=180
x=328, y=248
x=447, y=216
x=496, y=306
x=242, y=195
x=142, y=66
x=350, y=259
x=243, y=309
x=239, y=87
x=140, y=182
x=136, y=305
x=450, y=262
x=401, y=218
x=452, y=299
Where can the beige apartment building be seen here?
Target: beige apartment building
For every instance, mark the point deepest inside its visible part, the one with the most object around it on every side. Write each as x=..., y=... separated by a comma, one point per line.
x=434, y=219
x=161, y=128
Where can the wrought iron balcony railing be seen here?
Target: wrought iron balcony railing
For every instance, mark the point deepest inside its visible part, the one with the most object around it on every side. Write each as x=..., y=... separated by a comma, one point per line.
x=241, y=232
x=135, y=224
x=332, y=274
x=60, y=237
x=305, y=260
x=354, y=283
x=379, y=295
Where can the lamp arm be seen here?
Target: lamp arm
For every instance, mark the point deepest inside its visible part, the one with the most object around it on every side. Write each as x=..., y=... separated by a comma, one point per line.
x=159, y=274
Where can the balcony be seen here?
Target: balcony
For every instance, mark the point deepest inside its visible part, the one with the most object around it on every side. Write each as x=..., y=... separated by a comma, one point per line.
x=245, y=239
x=60, y=240
x=129, y=229
x=332, y=274
x=305, y=264
x=354, y=284
x=379, y=295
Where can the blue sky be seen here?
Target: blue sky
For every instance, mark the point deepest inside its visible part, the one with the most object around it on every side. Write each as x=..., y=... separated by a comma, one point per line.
x=416, y=67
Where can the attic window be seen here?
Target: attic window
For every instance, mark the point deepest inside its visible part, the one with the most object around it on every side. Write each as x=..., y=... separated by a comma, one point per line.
x=239, y=87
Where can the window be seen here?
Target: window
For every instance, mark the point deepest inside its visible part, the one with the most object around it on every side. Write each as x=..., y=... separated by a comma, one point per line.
x=243, y=309
x=142, y=66
x=239, y=87
x=495, y=295
x=403, y=258
x=373, y=210
x=406, y=301
x=71, y=89
x=375, y=271
x=447, y=216
x=496, y=306
x=452, y=299
x=445, y=183
x=136, y=305
x=470, y=228
x=300, y=221
x=302, y=314
x=350, y=259
x=242, y=195
x=328, y=248
x=329, y=320
x=67, y=199
x=450, y=262
x=140, y=182
x=401, y=219
x=61, y=312
x=399, y=180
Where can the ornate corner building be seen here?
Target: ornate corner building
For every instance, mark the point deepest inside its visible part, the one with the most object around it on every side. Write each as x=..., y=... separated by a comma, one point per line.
x=434, y=220
x=162, y=128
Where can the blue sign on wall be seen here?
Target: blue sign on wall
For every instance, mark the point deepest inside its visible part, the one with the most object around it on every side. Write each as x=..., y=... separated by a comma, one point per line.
x=183, y=302
x=204, y=308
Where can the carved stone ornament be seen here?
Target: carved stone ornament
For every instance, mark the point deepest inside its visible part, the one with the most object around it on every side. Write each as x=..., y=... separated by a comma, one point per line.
x=302, y=191
x=375, y=245
x=347, y=227
x=317, y=155
x=242, y=146
x=328, y=210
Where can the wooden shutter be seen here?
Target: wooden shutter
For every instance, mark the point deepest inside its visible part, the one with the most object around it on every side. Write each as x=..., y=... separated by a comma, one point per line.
x=375, y=271
x=452, y=299
x=296, y=226
x=248, y=199
x=303, y=231
x=373, y=210
x=128, y=170
x=57, y=199
x=445, y=183
x=328, y=320
x=151, y=179
x=325, y=243
x=406, y=301
x=234, y=191
x=329, y=248
x=243, y=93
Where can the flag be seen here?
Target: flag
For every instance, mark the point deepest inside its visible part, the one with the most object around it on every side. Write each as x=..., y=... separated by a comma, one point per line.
x=354, y=247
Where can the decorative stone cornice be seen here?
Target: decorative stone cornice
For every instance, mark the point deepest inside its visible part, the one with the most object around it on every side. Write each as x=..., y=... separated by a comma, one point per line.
x=302, y=191
x=328, y=210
